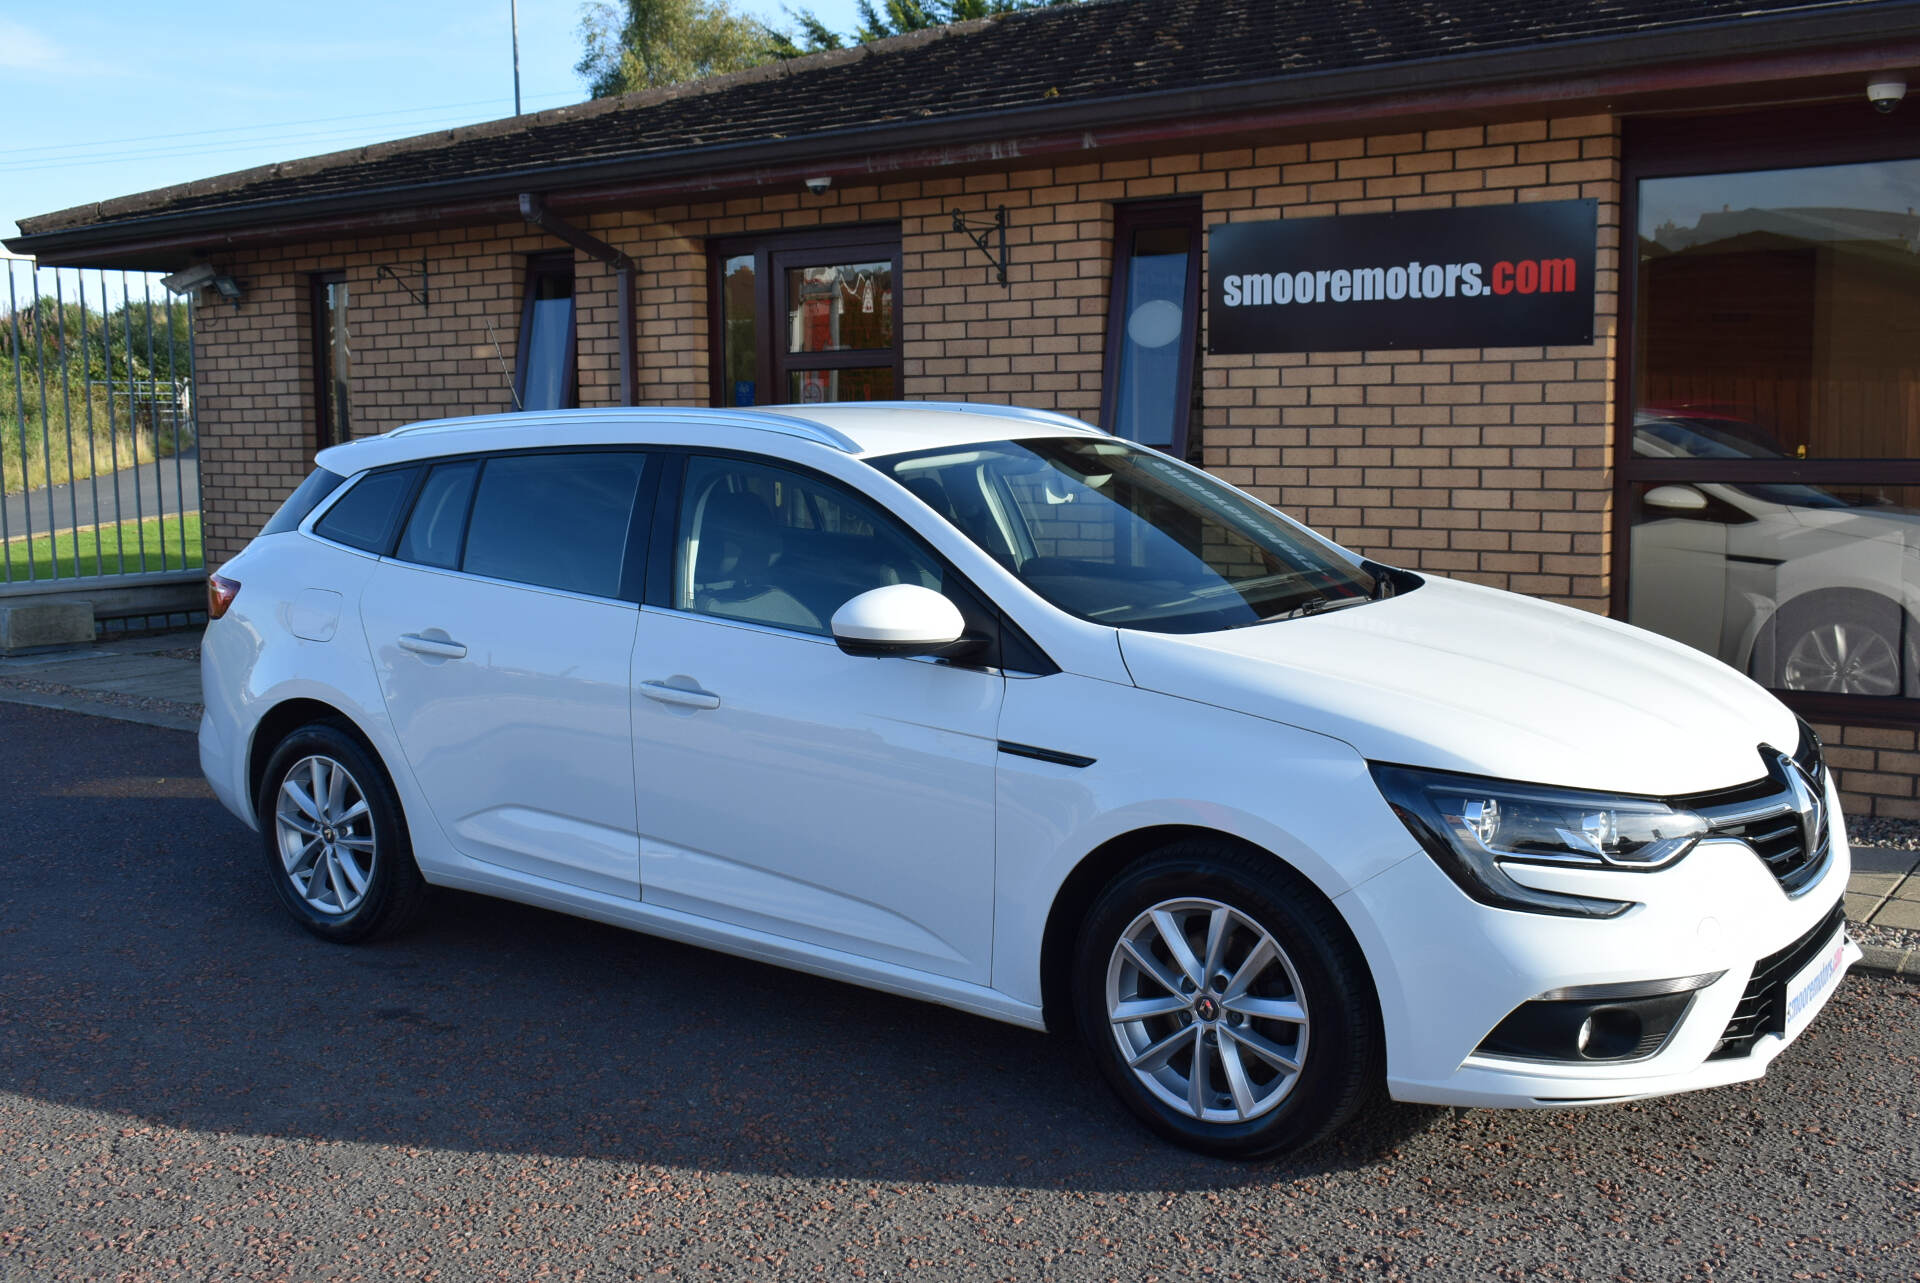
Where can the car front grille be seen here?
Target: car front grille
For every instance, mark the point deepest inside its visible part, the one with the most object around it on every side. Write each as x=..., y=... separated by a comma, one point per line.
x=1781, y=846
x=1762, y=1008
x=1783, y=818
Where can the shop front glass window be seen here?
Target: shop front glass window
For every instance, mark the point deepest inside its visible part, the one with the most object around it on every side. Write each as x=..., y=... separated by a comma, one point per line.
x=840, y=308
x=811, y=386
x=1776, y=380
x=807, y=317
x=740, y=331
x=1153, y=323
x=546, y=335
x=333, y=360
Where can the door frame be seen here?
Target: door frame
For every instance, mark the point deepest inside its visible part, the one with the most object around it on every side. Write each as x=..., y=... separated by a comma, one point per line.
x=772, y=362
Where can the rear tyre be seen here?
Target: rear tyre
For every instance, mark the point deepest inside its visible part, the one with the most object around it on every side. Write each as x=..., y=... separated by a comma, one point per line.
x=335, y=839
x=1225, y=1002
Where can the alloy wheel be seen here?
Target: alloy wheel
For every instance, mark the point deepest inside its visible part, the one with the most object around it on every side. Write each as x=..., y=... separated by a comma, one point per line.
x=1843, y=658
x=324, y=832
x=1207, y=1010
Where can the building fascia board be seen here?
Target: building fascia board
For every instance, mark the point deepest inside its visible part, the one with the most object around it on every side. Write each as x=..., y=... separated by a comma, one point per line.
x=1599, y=72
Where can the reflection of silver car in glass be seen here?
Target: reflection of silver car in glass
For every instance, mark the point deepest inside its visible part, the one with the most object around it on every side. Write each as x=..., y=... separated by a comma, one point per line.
x=1800, y=587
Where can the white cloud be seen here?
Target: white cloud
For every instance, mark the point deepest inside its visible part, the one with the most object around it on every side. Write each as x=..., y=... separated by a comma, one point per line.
x=23, y=49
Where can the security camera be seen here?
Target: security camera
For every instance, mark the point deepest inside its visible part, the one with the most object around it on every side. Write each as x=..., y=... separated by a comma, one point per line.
x=818, y=186
x=1886, y=94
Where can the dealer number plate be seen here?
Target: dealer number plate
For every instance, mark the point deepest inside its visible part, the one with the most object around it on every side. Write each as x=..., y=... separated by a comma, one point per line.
x=1811, y=986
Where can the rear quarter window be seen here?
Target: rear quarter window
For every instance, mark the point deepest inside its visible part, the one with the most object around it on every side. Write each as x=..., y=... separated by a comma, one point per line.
x=306, y=497
x=364, y=517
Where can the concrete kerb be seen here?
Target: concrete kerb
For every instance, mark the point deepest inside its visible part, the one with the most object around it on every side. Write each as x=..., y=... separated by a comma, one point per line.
x=94, y=708
x=1874, y=957
x=1892, y=962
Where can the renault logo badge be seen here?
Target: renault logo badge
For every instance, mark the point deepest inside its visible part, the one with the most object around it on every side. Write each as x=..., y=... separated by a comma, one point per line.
x=1806, y=801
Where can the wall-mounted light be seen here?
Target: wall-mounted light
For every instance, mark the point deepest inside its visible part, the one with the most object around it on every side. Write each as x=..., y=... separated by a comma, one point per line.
x=191, y=280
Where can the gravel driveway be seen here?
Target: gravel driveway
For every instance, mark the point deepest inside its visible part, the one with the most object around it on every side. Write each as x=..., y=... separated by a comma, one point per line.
x=192, y=1088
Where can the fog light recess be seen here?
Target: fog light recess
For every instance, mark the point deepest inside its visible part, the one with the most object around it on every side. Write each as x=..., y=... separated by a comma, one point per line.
x=1595, y=1022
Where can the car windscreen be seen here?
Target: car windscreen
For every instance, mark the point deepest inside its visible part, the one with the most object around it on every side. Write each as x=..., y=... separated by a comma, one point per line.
x=1128, y=537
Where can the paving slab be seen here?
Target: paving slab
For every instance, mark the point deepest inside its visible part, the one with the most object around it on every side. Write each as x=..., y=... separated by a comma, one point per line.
x=1898, y=913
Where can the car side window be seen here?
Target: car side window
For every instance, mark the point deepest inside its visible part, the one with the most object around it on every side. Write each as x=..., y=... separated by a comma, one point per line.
x=364, y=516
x=767, y=546
x=432, y=534
x=555, y=520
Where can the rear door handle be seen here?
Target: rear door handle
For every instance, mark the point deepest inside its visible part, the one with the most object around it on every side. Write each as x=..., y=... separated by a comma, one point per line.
x=430, y=646
x=679, y=695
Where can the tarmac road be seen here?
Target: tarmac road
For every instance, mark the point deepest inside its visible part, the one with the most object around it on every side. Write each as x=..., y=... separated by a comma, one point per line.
x=172, y=488
x=191, y=1088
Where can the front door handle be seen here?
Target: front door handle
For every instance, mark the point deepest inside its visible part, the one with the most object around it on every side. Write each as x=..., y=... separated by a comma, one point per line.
x=679, y=695
x=439, y=649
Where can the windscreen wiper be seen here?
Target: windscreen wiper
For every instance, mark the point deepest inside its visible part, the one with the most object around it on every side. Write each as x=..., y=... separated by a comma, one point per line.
x=1315, y=605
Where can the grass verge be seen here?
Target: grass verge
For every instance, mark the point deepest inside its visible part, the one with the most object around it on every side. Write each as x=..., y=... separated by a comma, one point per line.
x=172, y=543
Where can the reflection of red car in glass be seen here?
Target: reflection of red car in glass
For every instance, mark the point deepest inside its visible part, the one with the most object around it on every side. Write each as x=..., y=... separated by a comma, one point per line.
x=1801, y=587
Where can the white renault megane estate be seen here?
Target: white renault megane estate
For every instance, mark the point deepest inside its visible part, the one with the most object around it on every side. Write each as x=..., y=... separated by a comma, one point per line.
x=988, y=707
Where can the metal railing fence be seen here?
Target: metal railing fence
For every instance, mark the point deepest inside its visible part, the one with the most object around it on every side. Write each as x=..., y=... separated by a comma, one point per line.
x=99, y=458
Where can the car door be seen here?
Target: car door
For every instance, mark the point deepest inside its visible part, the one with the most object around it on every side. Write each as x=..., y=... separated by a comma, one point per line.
x=502, y=647
x=784, y=785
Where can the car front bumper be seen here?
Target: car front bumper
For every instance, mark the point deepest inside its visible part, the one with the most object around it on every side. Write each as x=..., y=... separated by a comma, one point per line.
x=1717, y=910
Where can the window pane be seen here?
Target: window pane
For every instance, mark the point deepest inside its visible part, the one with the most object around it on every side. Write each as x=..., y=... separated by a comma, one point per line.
x=740, y=324
x=771, y=547
x=1784, y=307
x=869, y=383
x=546, y=357
x=840, y=308
x=365, y=515
x=554, y=520
x=1797, y=586
x=432, y=536
x=335, y=355
x=1154, y=323
x=319, y=484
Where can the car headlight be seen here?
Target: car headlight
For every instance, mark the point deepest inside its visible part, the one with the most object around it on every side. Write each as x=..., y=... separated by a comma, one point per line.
x=1473, y=826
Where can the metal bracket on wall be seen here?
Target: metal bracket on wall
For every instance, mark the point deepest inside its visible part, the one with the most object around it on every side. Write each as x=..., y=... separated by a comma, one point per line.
x=419, y=296
x=980, y=229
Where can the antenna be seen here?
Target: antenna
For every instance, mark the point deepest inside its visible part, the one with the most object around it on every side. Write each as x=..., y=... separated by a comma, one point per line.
x=513, y=8
x=501, y=357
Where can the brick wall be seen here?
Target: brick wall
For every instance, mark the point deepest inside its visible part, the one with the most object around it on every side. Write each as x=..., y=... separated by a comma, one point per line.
x=1487, y=464
x=1875, y=767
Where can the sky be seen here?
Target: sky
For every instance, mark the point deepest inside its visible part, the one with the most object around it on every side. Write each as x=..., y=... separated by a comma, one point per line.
x=105, y=98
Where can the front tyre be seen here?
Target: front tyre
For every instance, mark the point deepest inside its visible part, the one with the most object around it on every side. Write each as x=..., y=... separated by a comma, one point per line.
x=334, y=837
x=1225, y=1002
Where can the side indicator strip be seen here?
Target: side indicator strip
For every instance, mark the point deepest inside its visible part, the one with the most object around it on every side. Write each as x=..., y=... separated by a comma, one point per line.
x=1045, y=754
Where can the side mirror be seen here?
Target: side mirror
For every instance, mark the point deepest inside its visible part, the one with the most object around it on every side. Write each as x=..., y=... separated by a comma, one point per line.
x=898, y=620
x=1676, y=499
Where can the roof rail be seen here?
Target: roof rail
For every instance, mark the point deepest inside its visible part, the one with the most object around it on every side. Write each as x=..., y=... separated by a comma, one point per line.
x=785, y=425
x=989, y=408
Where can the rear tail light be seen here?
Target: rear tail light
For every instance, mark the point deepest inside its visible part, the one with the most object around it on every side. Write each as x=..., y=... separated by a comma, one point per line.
x=220, y=594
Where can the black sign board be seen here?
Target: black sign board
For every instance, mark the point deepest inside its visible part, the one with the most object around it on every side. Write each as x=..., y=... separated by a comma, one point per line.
x=1489, y=276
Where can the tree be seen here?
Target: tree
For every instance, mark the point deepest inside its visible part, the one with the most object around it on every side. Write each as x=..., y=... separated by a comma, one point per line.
x=893, y=18
x=642, y=44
